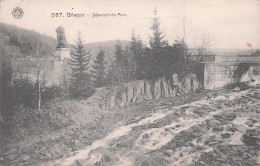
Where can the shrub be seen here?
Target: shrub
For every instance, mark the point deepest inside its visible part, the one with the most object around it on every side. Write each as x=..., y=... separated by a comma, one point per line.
x=23, y=92
x=52, y=92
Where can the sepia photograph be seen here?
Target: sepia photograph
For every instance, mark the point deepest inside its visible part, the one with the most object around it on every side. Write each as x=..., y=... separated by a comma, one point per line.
x=130, y=83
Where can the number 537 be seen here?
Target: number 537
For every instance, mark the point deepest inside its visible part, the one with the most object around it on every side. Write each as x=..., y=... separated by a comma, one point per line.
x=56, y=14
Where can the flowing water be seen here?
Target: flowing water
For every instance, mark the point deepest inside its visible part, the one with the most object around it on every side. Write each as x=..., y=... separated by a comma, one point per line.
x=157, y=137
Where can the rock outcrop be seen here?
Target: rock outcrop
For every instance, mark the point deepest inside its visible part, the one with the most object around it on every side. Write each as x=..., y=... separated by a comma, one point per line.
x=142, y=90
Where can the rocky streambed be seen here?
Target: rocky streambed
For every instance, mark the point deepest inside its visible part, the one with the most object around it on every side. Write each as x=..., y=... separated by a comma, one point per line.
x=221, y=130
x=206, y=128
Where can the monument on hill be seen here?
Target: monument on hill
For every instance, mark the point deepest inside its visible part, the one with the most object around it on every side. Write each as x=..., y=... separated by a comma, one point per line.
x=62, y=51
x=62, y=55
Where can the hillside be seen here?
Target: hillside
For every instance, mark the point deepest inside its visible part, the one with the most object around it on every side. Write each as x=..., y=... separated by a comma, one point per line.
x=225, y=51
x=19, y=42
x=107, y=46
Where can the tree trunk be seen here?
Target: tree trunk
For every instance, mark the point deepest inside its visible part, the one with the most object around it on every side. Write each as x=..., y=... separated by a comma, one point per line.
x=39, y=88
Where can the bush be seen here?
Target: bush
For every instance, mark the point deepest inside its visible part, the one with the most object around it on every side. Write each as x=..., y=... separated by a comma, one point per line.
x=25, y=92
x=52, y=92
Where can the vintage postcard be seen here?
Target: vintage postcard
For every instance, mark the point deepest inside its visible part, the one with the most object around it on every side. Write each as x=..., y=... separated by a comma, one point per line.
x=129, y=82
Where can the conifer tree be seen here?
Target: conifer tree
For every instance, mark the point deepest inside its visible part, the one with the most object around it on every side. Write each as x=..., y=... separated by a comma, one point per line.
x=119, y=62
x=127, y=67
x=137, y=50
x=99, y=69
x=157, y=40
x=80, y=82
x=155, y=54
x=120, y=70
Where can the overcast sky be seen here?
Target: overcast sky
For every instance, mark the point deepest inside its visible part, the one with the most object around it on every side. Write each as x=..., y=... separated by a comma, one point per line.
x=229, y=23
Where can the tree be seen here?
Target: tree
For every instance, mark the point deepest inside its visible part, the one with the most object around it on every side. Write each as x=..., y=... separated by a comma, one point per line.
x=99, y=69
x=137, y=50
x=181, y=44
x=157, y=41
x=25, y=92
x=154, y=56
x=180, y=49
x=39, y=54
x=202, y=46
x=127, y=66
x=39, y=67
x=178, y=58
x=80, y=82
x=118, y=64
x=121, y=68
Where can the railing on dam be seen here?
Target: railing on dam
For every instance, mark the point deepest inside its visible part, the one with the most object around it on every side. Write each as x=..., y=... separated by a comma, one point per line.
x=222, y=58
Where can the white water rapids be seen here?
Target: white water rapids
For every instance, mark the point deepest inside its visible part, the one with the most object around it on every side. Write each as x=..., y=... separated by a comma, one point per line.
x=156, y=140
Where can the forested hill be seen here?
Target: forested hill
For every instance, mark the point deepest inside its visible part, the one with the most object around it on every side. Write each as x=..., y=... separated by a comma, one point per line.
x=19, y=42
x=107, y=46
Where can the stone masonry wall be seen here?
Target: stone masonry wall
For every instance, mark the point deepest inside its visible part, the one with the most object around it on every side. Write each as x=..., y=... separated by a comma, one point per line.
x=218, y=75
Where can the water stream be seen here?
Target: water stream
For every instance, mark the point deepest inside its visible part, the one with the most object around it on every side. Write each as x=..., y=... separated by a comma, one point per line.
x=159, y=135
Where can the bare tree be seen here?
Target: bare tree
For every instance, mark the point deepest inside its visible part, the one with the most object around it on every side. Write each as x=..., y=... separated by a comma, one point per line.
x=182, y=42
x=202, y=46
x=38, y=66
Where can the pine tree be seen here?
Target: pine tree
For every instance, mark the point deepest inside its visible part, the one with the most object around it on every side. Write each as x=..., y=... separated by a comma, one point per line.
x=80, y=82
x=119, y=62
x=120, y=68
x=157, y=41
x=155, y=55
x=99, y=69
x=137, y=50
x=127, y=67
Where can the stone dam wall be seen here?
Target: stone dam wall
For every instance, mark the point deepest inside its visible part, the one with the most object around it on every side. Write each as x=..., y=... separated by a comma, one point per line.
x=142, y=90
x=218, y=75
